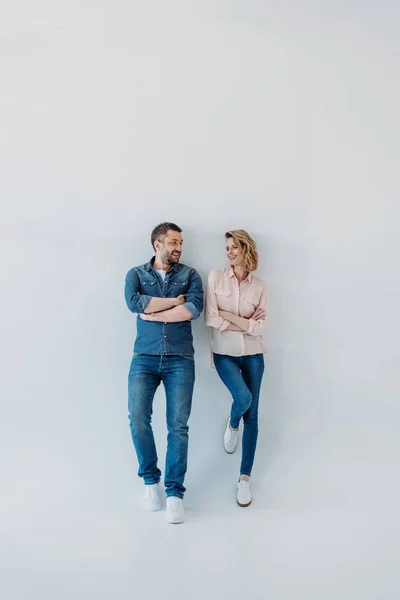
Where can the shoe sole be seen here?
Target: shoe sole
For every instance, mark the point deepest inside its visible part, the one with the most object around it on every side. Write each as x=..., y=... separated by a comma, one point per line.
x=175, y=522
x=243, y=505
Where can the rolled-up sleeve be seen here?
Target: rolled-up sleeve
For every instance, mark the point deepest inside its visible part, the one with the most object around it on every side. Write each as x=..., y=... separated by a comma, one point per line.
x=256, y=327
x=195, y=295
x=212, y=317
x=135, y=301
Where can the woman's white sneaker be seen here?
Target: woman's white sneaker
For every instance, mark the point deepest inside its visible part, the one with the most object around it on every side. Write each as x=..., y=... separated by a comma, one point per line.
x=243, y=493
x=175, y=510
x=152, y=500
x=230, y=438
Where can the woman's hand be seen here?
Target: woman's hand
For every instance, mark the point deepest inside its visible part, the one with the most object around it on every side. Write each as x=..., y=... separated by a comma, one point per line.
x=259, y=314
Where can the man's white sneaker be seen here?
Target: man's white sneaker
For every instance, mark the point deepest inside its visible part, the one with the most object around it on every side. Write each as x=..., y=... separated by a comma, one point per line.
x=243, y=493
x=152, y=500
x=175, y=510
x=230, y=438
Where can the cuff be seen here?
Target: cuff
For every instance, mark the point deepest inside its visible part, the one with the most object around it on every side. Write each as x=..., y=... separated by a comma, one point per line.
x=252, y=324
x=143, y=302
x=224, y=326
x=191, y=307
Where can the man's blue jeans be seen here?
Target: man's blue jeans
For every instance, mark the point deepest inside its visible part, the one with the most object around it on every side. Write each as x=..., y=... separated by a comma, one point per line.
x=242, y=375
x=177, y=375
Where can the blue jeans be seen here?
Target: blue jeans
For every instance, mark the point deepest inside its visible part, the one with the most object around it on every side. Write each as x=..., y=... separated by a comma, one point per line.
x=242, y=375
x=177, y=375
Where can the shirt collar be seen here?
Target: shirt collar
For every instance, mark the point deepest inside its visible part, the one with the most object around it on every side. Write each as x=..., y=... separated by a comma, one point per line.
x=150, y=265
x=232, y=274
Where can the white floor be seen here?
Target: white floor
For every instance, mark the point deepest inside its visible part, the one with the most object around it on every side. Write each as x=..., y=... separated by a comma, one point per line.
x=320, y=526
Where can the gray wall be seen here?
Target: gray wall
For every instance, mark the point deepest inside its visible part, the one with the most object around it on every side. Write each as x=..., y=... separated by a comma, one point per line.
x=277, y=117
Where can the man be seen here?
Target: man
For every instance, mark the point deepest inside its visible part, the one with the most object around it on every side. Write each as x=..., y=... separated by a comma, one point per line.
x=167, y=295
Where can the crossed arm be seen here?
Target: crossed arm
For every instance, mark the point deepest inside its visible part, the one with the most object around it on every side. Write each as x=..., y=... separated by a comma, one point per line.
x=162, y=304
x=226, y=321
x=237, y=323
x=167, y=310
x=172, y=315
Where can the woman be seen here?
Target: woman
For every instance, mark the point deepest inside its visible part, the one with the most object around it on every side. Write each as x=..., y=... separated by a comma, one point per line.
x=236, y=312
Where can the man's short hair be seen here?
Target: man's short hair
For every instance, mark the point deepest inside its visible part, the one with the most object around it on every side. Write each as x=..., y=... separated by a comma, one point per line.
x=159, y=233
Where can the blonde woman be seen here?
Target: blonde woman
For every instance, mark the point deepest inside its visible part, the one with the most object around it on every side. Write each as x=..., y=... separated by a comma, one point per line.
x=236, y=312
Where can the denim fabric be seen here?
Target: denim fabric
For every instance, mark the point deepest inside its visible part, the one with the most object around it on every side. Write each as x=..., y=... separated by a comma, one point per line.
x=242, y=375
x=177, y=374
x=143, y=283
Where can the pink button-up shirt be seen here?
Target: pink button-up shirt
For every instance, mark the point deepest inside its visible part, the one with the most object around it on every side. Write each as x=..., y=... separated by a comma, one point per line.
x=225, y=293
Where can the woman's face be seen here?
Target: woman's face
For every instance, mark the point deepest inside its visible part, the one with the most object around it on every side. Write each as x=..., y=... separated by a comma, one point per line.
x=234, y=253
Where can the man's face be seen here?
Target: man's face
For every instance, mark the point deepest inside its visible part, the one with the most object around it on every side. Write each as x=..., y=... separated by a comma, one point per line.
x=170, y=249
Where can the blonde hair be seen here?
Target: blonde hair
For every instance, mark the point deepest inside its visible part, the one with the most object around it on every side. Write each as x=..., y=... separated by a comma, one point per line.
x=247, y=246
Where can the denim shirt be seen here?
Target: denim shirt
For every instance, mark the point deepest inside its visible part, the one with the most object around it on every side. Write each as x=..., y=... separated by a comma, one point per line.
x=143, y=283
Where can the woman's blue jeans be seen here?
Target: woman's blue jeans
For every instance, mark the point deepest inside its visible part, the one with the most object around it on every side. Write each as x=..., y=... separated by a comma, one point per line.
x=243, y=375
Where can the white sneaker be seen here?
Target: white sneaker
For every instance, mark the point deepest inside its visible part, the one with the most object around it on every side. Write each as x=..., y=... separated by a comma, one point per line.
x=243, y=493
x=230, y=438
x=175, y=510
x=152, y=500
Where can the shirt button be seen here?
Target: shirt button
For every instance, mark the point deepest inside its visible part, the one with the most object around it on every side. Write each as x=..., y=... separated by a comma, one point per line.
x=165, y=336
x=163, y=295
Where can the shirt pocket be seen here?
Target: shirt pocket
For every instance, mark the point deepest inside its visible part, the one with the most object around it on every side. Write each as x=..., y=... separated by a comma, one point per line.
x=224, y=299
x=179, y=287
x=148, y=286
x=251, y=299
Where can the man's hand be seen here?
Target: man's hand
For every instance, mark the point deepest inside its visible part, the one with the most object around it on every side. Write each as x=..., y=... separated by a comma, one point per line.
x=259, y=314
x=181, y=299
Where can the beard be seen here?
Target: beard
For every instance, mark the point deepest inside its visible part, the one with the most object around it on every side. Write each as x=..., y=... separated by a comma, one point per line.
x=168, y=259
